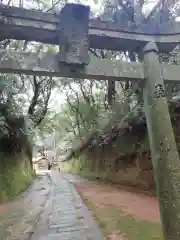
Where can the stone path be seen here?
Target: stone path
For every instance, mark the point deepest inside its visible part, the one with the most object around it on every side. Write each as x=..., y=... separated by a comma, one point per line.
x=51, y=209
x=18, y=217
x=65, y=216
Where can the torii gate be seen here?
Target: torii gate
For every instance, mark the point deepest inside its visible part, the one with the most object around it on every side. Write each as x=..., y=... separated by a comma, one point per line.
x=74, y=34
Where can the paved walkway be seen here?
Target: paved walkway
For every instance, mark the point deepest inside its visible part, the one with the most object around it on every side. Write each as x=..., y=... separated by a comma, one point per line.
x=64, y=216
x=18, y=217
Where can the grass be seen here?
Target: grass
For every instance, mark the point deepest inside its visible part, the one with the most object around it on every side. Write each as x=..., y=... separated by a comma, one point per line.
x=112, y=220
x=15, y=180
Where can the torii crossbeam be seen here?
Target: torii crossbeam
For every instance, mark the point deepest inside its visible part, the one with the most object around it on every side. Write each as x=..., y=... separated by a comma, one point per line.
x=74, y=34
x=21, y=24
x=47, y=64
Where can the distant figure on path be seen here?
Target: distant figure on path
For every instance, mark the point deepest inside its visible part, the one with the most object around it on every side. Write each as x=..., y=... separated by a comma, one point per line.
x=49, y=166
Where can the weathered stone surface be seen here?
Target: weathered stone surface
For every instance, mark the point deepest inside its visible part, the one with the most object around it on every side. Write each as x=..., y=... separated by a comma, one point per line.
x=73, y=235
x=22, y=214
x=42, y=27
x=65, y=223
x=73, y=27
x=47, y=64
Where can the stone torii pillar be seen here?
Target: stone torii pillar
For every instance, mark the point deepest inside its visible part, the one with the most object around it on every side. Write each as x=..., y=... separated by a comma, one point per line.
x=164, y=152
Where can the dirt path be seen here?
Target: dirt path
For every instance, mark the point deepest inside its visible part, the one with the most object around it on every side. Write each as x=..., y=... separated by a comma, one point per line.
x=122, y=214
x=136, y=204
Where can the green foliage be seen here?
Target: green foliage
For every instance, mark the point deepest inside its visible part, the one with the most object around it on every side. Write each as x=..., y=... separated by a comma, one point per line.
x=76, y=166
x=15, y=137
x=17, y=176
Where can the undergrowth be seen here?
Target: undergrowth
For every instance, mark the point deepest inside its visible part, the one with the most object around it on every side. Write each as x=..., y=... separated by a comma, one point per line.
x=15, y=178
x=75, y=166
